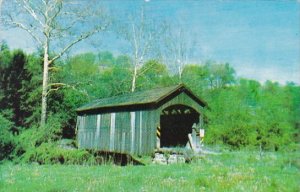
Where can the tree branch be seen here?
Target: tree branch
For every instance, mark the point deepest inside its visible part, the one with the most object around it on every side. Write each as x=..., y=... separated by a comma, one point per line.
x=56, y=84
x=145, y=69
x=30, y=10
x=80, y=38
x=135, y=45
x=53, y=68
x=58, y=6
x=20, y=25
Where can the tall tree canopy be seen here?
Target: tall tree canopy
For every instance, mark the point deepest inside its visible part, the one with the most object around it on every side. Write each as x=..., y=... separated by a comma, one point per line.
x=56, y=26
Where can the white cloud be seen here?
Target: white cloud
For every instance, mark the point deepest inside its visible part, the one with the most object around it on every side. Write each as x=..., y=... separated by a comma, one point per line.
x=262, y=74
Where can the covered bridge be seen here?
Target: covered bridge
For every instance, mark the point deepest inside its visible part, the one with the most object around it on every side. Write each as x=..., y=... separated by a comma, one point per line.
x=140, y=122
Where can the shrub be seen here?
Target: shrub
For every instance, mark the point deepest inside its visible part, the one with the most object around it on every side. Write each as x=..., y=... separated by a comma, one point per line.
x=50, y=153
x=29, y=140
x=7, y=142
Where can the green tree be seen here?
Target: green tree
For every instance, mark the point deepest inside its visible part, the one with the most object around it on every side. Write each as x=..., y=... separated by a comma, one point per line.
x=82, y=65
x=86, y=77
x=194, y=76
x=219, y=75
x=106, y=59
x=49, y=23
x=142, y=36
x=14, y=78
x=249, y=114
x=230, y=120
x=292, y=101
x=7, y=141
x=276, y=128
x=153, y=74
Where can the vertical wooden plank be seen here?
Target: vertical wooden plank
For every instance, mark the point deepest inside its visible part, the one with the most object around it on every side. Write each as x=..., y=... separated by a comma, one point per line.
x=141, y=132
x=112, y=130
x=157, y=123
x=144, y=132
x=136, y=132
x=145, y=138
x=83, y=122
x=98, y=125
x=78, y=131
x=92, y=130
x=91, y=139
x=105, y=135
x=123, y=142
x=191, y=142
x=119, y=131
x=83, y=132
x=201, y=122
x=152, y=124
x=77, y=124
x=149, y=122
x=132, y=125
x=152, y=132
x=97, y=135
x=127, y=128
x=84, y=139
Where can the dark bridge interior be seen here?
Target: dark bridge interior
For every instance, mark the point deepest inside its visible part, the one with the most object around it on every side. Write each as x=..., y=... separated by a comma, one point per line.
x=176, y=123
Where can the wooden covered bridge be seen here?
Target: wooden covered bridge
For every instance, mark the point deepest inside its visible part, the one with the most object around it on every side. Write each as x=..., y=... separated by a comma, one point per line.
x=140, y=122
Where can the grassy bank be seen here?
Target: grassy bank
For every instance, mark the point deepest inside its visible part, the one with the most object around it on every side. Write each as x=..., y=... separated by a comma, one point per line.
x=234, y=171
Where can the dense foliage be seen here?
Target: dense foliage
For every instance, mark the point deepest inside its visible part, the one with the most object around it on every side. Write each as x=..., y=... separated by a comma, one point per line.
x=241, y=113
x=7, y=143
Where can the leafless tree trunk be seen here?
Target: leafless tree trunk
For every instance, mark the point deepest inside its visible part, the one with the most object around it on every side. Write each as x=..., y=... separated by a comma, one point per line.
x=179, y=48
x=142, y=35
x=45, y=85
x=54, y=25
x=134, y=77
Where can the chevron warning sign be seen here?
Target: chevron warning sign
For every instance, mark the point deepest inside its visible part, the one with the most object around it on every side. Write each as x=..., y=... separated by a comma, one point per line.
x=158, y=131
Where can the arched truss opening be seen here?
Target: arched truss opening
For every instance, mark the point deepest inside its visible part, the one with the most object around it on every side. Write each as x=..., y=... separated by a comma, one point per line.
x=176, y=123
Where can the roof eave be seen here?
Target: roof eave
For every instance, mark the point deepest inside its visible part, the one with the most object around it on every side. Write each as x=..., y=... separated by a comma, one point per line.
x=120, y=108
x=144, y=106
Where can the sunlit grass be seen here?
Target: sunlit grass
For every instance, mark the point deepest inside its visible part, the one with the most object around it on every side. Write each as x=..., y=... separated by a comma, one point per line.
x=234, y=171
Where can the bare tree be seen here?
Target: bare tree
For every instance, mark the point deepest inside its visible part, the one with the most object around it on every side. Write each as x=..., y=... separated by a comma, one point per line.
x=179, y=47
x=56, y=26
x=143, y=35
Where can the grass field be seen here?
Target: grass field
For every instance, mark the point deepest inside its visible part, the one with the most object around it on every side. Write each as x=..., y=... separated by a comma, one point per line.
x=232, y=171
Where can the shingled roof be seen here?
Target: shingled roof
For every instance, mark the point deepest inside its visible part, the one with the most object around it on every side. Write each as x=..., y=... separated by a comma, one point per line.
x=148, y=99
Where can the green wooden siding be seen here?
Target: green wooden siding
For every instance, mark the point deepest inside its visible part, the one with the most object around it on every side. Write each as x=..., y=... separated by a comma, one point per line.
x=182, y=99
x=132, y=132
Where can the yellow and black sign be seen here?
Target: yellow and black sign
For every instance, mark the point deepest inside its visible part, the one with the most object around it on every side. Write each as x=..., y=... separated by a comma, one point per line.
x=158, y=131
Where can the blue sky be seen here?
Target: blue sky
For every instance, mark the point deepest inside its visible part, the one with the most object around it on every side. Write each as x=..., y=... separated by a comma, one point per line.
x=260, y=39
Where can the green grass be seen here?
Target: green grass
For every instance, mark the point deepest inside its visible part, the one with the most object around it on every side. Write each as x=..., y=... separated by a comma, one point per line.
x=235, y=171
